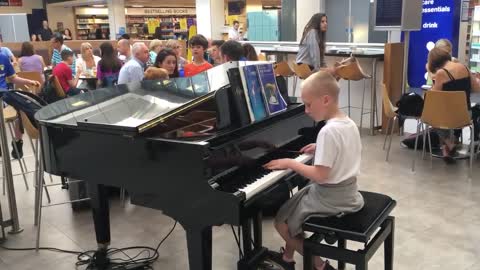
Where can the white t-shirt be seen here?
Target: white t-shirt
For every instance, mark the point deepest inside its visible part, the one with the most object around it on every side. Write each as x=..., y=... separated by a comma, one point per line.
x=339, y=148
x=234, y=34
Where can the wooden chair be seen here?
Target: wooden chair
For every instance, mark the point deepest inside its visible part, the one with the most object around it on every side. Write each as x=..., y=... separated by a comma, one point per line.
x=436, y=115
x=350, y=70
x=58, y=87
x=10, y=116
x=262, y=57
x=392, y=116
x=303, y=71
x=31, y=75
x=284, y=70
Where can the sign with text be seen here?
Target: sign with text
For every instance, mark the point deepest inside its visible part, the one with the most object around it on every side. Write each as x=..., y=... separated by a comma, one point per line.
x=440, y=19
x=160, y=11
x=3, y=2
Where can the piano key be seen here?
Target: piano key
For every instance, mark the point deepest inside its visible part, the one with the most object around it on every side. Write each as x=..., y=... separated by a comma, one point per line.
x=265, y=181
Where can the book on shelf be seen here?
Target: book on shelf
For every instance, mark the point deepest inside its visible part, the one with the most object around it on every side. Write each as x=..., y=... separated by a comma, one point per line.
x=274, y=102
x=253, y=93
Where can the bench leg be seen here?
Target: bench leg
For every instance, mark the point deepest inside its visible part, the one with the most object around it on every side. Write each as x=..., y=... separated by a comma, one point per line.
x=307, y=257
x=362, y=266
x=388, y=245
x=342, y=244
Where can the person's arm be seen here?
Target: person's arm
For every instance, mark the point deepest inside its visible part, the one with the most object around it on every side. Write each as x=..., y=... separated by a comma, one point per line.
x=73, y=82
x=137, y=74
x=316, y=173
x=475, y=82
x=22, y=81
x=43, y=61
x=440, y=77
x=311, y=42
x=39, y=37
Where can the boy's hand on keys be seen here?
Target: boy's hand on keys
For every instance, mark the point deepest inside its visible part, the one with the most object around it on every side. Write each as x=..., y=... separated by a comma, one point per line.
x=309, y=149
x=279, y=164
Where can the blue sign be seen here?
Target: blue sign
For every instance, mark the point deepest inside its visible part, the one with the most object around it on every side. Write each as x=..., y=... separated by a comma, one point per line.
x=440, y=19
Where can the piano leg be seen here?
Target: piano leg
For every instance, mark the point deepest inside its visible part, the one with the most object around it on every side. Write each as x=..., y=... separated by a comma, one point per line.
x=101, y=217
x=247, y=237
x=257, y=230
x=199, y=244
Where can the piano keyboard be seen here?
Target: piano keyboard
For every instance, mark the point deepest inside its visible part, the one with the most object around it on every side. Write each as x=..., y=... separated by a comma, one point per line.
x=270, y=178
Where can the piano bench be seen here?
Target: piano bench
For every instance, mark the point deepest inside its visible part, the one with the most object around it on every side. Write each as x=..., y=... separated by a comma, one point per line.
x=358, y=227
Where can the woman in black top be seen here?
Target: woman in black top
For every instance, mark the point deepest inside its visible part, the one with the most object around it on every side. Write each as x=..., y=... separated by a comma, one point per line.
x=450, y=76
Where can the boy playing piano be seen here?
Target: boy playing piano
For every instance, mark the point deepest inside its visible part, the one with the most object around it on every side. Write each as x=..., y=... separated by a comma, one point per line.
x=337, y=153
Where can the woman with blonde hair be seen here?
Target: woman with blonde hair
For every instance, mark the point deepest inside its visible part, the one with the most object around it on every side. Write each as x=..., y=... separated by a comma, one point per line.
x=174, y=45
x=155, y=46
x=87, y=63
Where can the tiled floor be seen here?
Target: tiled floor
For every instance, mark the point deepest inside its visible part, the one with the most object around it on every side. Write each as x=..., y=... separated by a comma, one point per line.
x=438, y=220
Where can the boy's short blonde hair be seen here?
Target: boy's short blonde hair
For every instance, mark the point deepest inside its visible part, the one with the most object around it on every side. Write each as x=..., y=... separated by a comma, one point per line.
x=321, y=83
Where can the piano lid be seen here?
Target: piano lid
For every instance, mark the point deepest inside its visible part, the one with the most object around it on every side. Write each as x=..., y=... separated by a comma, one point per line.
x=128, y=108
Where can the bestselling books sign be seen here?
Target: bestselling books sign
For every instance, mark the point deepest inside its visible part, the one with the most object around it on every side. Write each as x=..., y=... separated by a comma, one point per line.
x=13, y=3
x=160, y=11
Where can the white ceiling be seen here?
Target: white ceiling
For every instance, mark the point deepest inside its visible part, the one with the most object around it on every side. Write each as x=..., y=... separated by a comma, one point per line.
x=150, y=3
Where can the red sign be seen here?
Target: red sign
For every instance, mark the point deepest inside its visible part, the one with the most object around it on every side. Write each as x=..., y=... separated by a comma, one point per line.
x=17, y=3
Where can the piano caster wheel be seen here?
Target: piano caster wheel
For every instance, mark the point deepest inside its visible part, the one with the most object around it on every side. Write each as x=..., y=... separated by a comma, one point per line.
x=317, y=237
x=330, y=238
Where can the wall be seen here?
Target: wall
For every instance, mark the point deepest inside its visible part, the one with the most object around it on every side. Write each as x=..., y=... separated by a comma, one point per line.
x=305, y=10
x=338, y=20
x=27, y=7
x=62, y=14
x=254, y=5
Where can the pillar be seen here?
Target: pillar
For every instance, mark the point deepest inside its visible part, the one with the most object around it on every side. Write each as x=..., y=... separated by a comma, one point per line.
x=254, y=5
x=210, y=18
x=116, y=17
x=305, y=10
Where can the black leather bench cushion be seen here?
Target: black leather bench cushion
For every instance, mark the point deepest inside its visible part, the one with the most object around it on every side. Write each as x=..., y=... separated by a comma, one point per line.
x=357, y=226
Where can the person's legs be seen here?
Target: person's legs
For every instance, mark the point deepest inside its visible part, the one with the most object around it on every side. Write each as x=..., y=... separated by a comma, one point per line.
x=17, y=140
x=293, y=244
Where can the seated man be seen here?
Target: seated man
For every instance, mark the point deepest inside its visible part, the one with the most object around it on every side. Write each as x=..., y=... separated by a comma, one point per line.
x=64, y=74
x=232, y=51
x=58, y=48
x=7, y=73
x=133, y=70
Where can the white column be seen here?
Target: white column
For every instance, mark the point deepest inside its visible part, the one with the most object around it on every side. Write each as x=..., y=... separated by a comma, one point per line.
x=210, y=18
x=116, y=17
x=305, y=10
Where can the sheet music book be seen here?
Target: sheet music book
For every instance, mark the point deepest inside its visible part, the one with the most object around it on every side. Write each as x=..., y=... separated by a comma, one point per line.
x=184, y=86
x=274, y=102
x=238, y=97
x=253, y=93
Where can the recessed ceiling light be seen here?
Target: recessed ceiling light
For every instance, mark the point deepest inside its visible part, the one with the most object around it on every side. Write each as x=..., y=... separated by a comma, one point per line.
x=98, y=6
x=137, y=6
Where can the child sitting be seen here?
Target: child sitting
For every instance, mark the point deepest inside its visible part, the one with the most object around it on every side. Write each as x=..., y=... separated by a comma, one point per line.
x=336, y=164
x=199, y=45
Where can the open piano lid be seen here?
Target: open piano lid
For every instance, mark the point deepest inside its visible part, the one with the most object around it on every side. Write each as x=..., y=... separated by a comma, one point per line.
x=128, y=109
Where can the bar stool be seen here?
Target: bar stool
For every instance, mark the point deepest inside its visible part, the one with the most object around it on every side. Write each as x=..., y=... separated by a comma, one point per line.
x=283, y=69
x=10, y=116
x=350, y=70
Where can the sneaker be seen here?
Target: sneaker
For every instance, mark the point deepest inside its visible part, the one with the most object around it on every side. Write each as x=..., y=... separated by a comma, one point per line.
x=277, y=258
x=19, y=145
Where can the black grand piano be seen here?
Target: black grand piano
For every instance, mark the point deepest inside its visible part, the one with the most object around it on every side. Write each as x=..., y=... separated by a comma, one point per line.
x=178, y=148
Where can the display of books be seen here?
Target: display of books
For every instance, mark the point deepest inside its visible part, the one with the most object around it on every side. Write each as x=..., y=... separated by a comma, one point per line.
x=271, y=94
x=253, y=93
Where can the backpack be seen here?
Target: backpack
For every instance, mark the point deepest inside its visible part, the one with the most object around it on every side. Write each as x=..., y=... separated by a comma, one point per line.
x=410, y=104
x=49, y=93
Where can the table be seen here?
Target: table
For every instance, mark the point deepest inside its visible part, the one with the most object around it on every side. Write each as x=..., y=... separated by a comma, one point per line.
x=90, y=81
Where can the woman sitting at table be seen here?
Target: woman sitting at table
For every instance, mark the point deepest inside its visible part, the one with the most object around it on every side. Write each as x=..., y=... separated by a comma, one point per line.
x=87, y=63
x=167, y=59
x=109, y=66
x=450, y=76
x=30, y=61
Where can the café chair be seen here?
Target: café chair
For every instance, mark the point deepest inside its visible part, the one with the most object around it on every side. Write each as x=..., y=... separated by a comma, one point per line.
x=303, y=71
x=284, y=70
x=392, y=116
x=350, y=70
x=31, y=75
x=436, y=115
x=58, y=87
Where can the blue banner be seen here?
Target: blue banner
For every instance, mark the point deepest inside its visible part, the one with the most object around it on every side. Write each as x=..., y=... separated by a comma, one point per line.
x=440, y=19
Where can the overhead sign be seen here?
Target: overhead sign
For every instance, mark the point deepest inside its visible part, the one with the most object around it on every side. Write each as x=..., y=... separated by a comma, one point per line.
x=13, y=3
x=440, y=19
x=160, y=11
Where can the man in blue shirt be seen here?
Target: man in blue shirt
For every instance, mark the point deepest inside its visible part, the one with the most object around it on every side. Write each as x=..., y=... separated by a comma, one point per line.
x=58, y=47
x=7, y=73
x=232, y=51
x=7, y=52
x=133, y=70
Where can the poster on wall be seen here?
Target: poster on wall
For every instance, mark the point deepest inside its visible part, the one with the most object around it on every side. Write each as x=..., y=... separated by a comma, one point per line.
x=16, y=3
x=440, y=19
x=3, y=2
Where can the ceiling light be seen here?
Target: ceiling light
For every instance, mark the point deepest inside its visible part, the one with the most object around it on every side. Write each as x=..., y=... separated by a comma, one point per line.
x=98, y=6
x=137, y=6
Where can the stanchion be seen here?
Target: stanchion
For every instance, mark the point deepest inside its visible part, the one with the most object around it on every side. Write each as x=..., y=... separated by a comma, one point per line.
x=7, y=169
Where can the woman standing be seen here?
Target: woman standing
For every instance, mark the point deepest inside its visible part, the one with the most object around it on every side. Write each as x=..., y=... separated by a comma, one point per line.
x=109, y=66
x=87, y=64
x=174, y=45
x=167, y=59
x=312, y=45
x=29, y=61
x=155, y=46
